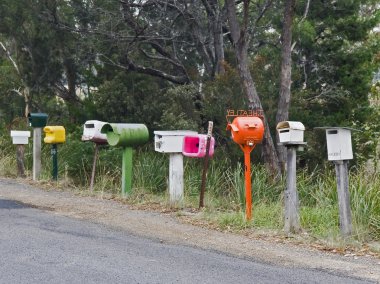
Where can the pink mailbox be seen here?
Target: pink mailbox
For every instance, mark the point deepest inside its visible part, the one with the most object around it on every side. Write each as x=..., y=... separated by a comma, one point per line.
x=195, y=146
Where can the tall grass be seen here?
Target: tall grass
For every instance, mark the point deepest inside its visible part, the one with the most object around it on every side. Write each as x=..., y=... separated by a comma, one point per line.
x=225, y=200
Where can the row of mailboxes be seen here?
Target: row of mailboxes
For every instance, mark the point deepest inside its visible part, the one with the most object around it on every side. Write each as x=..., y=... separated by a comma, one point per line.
x=190, y=143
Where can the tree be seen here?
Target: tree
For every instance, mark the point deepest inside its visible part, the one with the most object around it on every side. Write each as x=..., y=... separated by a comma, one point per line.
x=240, y=41
x=286, y=74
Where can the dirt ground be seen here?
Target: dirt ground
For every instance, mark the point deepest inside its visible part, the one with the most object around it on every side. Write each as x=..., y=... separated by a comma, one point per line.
x=169, y=228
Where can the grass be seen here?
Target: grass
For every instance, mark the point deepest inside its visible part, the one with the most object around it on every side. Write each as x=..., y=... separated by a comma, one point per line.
x=225, y=201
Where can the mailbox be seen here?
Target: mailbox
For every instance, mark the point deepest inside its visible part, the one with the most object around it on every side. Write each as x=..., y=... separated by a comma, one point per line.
x=91, y=132
x=125, y=134
x=290, y=131
x=195, y=146
x=54, y=134
x=339, y=145
x=247, y=130
x=170, y=141
x=20, y=137
x=37, y=120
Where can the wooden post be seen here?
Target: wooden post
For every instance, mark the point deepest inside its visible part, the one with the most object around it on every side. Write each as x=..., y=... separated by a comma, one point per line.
x=176, y=179
x=343, y=197
x=20, y=150
x=205, y=165
x=37, y=153
x=291, y=195
x=94, y=167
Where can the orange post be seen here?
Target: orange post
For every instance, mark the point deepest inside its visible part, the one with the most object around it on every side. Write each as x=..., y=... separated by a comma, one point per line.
x=247, y=130
x=247, y=149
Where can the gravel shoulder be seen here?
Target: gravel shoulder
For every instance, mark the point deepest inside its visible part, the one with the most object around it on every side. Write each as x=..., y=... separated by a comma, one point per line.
x=167, y=228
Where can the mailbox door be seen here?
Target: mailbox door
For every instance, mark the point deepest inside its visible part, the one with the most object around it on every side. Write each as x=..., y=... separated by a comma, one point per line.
x=339, y=145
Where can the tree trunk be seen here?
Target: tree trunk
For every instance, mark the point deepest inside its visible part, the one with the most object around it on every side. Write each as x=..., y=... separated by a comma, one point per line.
x=285, y=76
x=218, y=39
x=240, y=42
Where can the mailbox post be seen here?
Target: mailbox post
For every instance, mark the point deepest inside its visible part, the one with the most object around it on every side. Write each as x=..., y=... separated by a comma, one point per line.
x=126, y=135
x=291, y=135
x=199, y=146
x=247, y=130
x=91, y=132
x=172, y=142
x=339, y=151
x=37, y=121
x=54, y=135
x=20, y=138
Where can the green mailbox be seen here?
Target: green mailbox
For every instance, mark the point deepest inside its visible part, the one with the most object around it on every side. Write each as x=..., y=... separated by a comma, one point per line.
x=37, y=120
x=126, y=135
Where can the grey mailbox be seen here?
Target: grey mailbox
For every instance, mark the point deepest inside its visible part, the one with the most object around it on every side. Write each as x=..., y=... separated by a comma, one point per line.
x=339, y=145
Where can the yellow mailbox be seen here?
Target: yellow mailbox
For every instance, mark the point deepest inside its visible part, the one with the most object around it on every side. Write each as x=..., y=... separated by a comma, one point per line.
x=54, y=134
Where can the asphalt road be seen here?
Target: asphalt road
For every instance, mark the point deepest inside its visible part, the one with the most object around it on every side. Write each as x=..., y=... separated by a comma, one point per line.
x=40, y=247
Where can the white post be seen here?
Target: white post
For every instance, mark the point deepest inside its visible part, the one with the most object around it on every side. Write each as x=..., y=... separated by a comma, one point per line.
x=343, y=197
x=36, y=153
x=292, y=224
x=176, y=179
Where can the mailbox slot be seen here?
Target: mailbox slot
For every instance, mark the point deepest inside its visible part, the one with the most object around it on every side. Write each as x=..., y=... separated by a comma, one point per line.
x=195, y=146
x=92, y=132
x=20, y=137
x=290, y=131
x=37, y=120
x=54, y=134
x=170, y=141
x=125, y=134
x=247, y=130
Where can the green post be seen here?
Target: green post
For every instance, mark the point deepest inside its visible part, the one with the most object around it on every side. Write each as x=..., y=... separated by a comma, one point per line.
x=126, y=183
x=54, y=155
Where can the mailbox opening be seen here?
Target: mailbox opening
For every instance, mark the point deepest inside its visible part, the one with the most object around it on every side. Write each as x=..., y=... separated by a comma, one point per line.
x=90, y=125
x=195, y=146
x=191, y=144
x=332, y=131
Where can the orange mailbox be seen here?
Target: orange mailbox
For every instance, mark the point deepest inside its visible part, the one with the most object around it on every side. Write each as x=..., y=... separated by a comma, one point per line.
x=247, y=130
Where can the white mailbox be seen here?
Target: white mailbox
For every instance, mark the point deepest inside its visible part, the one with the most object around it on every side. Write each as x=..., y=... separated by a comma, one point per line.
x=91, y=131
x=290, y=131
x=20, y=137
x=170, y=141
x=339, y=145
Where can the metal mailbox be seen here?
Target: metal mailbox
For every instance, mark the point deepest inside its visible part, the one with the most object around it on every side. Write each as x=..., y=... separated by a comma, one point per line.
x=37, y=120
x=170, y=141
x=91, y=132
x=339, y=145
x=125, y=134
x=290, y=131
x=20, y=137
x=195, y=146
x=247, y=130
x=54, y=134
